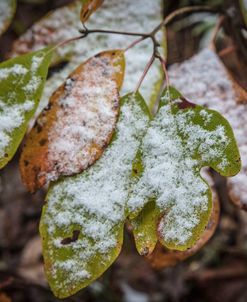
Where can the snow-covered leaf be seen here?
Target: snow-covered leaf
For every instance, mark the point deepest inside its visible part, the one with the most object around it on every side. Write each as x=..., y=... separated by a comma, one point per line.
x=64, y=23
x=182, y=139
x=55, y=27
x=74, y=129
x=21, y=84
x=82, y=221
x=162, y=257
x=205, y=79
x=89, y=7
x=7, y=11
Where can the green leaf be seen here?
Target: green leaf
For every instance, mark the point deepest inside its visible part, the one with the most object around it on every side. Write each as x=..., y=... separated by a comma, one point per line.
x=181, y=139
x=243, y=7
x=145, y=229
x=82, y=221
x=21, y=84
x=7, y=11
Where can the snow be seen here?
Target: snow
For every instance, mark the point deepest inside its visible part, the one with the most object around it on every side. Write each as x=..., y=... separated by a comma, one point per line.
x=171, y=171
x=5, y=13
x=16, y=70
x=13, y=105
x=128, y=15
x=82, y=117
x=95, y=200
x=205, y=81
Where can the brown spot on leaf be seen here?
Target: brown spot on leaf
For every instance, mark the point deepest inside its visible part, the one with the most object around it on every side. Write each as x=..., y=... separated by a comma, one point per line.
x=42, y=142
x=184, y=104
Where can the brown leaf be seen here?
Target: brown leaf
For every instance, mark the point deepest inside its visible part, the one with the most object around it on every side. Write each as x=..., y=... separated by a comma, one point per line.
x=74, y=129
x=4, y=298
x=162, y=257
x=88, y=7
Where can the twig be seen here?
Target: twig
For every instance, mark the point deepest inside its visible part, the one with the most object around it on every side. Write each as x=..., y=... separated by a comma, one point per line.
x=143, y=36
x=149, y=64
x=215, y=32
x=227, y=50
x=163, y=64
x=182, y=11
x=85, y=31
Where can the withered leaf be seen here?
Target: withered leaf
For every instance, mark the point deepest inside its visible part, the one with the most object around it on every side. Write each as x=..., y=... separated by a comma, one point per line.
x=74, y=129
x=88, y=7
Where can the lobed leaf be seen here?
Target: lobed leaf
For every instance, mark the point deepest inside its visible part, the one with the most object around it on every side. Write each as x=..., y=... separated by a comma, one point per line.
x=74, y=129
x=21, y=84
x=82, y=221
x=7, y=11
x=161, y=257
x=182, y=139
x=88, y=8
x=211, y=85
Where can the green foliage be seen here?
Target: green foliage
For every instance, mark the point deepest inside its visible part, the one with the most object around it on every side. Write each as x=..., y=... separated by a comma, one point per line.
x=82, y=222
x=181, y=139
x=21, y=84
x=7, y=11
x=92, y=205
x=243, y=7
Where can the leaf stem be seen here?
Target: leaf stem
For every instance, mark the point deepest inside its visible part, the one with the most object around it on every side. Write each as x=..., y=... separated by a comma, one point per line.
x=85, y=31
x=143, y=36
x=148, y=66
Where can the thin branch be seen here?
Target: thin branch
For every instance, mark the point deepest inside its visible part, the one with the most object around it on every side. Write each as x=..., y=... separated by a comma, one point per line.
x=182, y=11
x=131, y=45
x=143, y=36
x=227, y=51
x=86, y=32
x=163, y=64
x=215, y=32
x=148, y=66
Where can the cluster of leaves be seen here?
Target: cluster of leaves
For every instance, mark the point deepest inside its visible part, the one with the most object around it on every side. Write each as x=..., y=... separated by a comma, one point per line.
x=81, y=235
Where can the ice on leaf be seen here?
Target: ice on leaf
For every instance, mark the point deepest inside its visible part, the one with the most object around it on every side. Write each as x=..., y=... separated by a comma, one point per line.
x=74, y=129
x=82, y=221
x=181, y=139
x=21, y=84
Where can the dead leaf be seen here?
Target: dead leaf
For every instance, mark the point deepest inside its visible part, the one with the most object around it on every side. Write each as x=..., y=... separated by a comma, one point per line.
x=74, y=129
x=4, y=298
x=88, y=7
